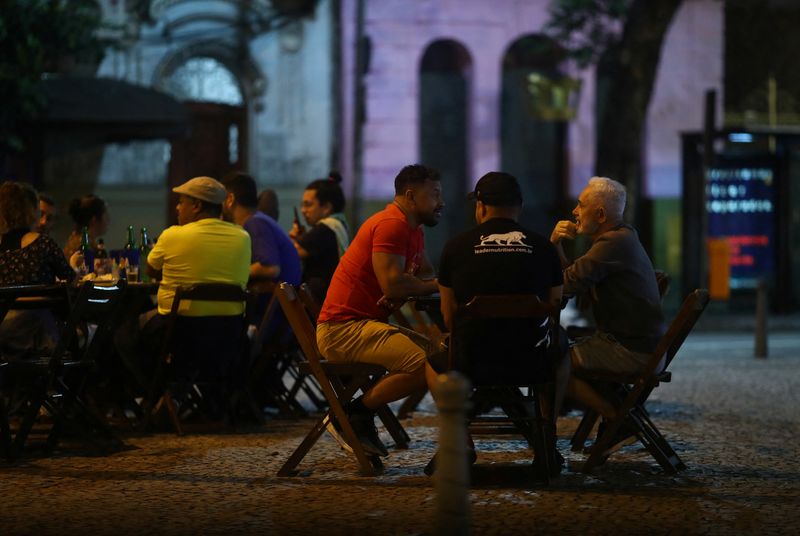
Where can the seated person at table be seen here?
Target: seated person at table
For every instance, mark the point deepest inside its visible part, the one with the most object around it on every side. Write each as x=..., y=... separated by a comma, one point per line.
x=325, y=242
x=91, y=212
x=620, y=280
x=27, y=258
x=273, y=255
x=48, y=213
x=200, y=249
x=384, y=265
x=498, y=256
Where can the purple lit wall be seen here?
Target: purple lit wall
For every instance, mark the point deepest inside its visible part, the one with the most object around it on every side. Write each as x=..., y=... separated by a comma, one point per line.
x=401, y=30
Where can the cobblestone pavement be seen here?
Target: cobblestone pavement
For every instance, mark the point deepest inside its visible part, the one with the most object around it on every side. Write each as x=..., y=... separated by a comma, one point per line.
x=733, y=419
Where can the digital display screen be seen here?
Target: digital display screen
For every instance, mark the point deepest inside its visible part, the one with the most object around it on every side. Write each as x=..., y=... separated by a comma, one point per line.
x=740, y=201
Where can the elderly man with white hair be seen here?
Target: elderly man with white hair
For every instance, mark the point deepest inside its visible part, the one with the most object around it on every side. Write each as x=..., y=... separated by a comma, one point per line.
x=618, y=276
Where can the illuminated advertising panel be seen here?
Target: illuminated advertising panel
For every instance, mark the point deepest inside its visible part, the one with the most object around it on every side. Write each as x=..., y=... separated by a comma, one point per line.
x=740, y=202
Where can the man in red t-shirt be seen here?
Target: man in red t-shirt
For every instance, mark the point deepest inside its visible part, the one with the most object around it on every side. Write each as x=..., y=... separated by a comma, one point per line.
x=384, y=265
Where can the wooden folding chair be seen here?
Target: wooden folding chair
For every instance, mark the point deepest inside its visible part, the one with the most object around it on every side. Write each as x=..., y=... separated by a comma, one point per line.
x=630, y=393
x=275, y=374
x=526, y=413
x=56, y=382
x=339, y=383
x=163, y=391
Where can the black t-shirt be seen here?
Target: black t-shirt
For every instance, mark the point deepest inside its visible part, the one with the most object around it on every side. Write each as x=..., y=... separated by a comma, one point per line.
x=323, y=257
x=500, y=257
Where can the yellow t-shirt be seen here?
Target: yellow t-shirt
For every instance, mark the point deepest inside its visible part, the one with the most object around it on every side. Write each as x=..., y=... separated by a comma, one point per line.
x=204, y=251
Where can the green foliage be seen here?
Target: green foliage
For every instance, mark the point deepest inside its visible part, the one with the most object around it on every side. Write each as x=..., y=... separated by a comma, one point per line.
x=586, y=28
x=38, y=37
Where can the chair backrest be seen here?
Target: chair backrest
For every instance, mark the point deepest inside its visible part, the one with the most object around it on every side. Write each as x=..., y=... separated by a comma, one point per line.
x=506, y=319
x=213, y=292
x=216, y=292
x=313, y=307
x=98, y=304
x=33, y=297
x=508, y=306
x=683, y=323
x=301, y=324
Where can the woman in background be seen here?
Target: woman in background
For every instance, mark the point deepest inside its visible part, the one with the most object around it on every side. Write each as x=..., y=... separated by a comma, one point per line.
x=27, y=258
x=91, y=212
x=327, y=238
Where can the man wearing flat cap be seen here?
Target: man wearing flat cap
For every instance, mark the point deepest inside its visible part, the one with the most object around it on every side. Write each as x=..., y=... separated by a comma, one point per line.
x=200, y=249
x=498, y=256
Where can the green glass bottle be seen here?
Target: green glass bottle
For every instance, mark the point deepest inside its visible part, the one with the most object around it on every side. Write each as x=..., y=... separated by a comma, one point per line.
x=144, y=249
x=87, y=252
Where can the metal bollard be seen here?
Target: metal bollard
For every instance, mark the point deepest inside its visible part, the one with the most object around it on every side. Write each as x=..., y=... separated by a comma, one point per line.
x=761, y=319
x=451, y=479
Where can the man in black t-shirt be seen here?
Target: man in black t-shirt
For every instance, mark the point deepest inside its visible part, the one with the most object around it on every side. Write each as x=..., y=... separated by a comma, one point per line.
x=499, y=257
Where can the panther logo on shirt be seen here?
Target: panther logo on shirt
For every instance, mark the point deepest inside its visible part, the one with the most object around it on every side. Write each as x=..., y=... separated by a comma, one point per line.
x=511, y=242
x=505, y=239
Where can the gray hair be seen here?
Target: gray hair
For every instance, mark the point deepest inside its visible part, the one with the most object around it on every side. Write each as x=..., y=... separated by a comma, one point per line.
x=611, y=195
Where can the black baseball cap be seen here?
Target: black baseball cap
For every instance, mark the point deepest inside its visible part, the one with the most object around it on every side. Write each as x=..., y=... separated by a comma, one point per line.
x=497, y=188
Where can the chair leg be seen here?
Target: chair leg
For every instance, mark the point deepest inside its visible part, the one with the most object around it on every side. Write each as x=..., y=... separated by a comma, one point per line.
x=288, y=468
x=656, y=444
x=394, y=427
x=585, y=427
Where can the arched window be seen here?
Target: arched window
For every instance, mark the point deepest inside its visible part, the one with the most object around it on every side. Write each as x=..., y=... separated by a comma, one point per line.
x=443, y=132
x=204, y=79
x=532, y=140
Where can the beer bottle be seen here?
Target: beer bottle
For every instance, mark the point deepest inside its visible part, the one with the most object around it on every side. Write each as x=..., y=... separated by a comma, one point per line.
x=101, y=260
x=86, y=251
x=131, y=254
x=144, y=249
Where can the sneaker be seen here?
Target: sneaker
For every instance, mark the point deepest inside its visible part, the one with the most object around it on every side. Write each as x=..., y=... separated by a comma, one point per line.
x=364, y=427
x=373, y=446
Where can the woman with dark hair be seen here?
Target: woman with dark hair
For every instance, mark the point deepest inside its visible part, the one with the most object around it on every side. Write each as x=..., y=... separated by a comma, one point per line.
x=27, y=258
x=91, y=212
x=327, y=238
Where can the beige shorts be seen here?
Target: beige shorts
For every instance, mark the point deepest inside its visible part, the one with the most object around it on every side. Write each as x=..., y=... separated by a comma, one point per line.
x=601, y=351
x=370, y=341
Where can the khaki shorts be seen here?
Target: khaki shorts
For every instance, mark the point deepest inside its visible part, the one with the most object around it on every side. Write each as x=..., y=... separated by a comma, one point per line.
x=370, y=341
x=601, y=351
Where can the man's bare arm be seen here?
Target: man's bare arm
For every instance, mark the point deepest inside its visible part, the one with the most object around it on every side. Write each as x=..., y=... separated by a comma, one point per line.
x=264, y=271
x=395, y=282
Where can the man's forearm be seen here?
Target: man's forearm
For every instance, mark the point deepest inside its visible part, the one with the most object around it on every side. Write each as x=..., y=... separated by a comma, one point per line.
x=405, y=285
x=258, y=270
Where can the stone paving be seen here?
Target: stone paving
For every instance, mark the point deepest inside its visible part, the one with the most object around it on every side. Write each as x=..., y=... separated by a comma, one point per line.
x=734, y=420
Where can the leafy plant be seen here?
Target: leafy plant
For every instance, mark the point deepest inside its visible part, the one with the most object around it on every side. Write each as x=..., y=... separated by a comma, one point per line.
x=38, y=37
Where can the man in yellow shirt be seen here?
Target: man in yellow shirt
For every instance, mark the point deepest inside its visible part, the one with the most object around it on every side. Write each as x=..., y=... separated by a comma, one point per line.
x=200, y=249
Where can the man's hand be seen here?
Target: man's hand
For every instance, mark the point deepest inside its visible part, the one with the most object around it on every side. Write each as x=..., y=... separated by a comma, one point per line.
x=391, y=304
x=564, y=229
x=296, y=231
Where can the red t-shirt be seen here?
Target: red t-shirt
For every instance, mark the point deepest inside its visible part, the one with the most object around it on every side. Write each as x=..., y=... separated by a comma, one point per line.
x=354, y=291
